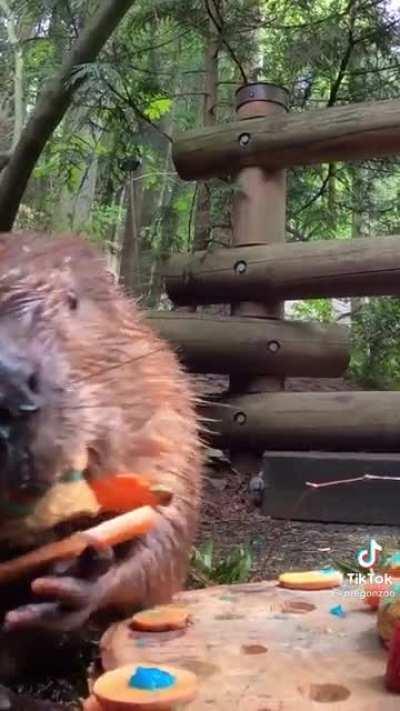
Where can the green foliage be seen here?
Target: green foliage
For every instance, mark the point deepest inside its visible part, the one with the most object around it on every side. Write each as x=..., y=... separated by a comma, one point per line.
x=207, y=569
x=149, y=84
x=314, y=310
x=157, y=107
x=376, y=344
x=103, y=221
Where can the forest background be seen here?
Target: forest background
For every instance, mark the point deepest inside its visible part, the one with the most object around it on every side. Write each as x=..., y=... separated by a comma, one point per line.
x=93, y=93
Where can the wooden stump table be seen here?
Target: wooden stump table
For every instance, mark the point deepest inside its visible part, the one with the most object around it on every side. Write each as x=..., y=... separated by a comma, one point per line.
x=258, y=647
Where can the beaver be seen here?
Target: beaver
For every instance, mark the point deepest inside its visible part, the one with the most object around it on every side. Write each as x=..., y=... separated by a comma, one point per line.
x=82, y=371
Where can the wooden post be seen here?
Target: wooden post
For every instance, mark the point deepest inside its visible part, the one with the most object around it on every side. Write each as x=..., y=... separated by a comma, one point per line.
x=259, y=215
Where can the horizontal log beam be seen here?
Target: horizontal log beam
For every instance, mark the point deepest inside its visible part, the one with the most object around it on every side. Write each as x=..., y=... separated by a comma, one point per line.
x=209, y=344
x=345, y=421
x=334, y=268
x=339, y=133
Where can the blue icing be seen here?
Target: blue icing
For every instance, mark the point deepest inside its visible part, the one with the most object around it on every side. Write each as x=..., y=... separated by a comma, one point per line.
x=151, y=679
x=338, y=611
x=395, y=558
x=329, y=570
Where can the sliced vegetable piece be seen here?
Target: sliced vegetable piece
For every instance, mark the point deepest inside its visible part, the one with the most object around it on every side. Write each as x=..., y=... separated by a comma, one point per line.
x=311, y=580
x=123, y=492
x=160, y=619
x=114, y=692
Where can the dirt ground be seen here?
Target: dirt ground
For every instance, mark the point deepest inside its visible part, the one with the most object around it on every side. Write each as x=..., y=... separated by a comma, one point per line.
x=230, y=519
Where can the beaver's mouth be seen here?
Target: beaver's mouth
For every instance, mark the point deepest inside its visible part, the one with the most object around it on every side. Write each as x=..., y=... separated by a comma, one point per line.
x=20, y=483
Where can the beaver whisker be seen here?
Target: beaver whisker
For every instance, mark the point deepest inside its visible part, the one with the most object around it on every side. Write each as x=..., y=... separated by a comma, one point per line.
x=124, y=405
x=116, y=366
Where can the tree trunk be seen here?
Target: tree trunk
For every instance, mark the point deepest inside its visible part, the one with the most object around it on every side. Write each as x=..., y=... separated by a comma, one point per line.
x=211, y=49
x=52, y=106
x=129, y=267
x=19, y=106
x=75, y=203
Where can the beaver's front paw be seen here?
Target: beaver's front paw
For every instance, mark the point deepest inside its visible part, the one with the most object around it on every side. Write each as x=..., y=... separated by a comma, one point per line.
x=71, y=593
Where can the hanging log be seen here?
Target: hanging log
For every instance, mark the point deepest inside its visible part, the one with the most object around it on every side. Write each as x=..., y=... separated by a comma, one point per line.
x=335, y=268
x=345, y=421
x=242, y=345
x=339, y=133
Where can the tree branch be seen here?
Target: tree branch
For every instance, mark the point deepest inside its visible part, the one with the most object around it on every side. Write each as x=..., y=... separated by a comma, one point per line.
x=129, y=101
x=318, y=193
x=52, y=105
x=4, y=159
x=218, y=23
x=343, y=65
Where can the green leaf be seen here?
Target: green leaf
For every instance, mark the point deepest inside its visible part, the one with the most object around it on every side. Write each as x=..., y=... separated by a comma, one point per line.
x=157, y=108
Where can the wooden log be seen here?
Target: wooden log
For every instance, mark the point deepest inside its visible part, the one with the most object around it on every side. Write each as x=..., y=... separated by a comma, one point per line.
x=243, y=345
x=335, y=421
x=339, y=133
x=335, y=268
x=258, y=216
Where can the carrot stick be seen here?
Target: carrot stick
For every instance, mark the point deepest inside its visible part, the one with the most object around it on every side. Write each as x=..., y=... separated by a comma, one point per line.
x=121, y=528
x=109, y=533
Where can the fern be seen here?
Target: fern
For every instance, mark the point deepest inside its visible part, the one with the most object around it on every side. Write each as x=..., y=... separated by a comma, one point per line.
x=207, y=569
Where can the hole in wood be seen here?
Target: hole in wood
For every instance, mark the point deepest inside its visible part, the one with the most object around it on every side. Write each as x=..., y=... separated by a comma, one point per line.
x=240, y=267
x=273, y=346
x=328, y=693
x=254, y=649
x=240, y=418
x=244, y=140
x=297, y=607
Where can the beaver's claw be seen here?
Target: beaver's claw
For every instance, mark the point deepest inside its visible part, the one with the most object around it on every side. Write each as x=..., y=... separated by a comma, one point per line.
x=70, y=591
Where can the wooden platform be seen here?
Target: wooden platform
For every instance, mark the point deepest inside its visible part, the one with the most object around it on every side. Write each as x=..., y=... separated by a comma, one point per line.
x=258, y=647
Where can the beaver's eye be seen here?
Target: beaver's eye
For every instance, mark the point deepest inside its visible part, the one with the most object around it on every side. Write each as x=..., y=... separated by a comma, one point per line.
x=73, y=301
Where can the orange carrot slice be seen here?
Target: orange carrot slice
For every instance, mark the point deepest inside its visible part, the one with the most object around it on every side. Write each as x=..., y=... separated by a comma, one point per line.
x=113, y=692
x=160, y=619
x=124, y=492
x=311, y=580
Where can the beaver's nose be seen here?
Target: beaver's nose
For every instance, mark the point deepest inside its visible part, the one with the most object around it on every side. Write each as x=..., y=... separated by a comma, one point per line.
x=19, y=389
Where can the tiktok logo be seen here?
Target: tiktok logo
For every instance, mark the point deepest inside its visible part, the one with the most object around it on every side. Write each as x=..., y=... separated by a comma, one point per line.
x=367, y=557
